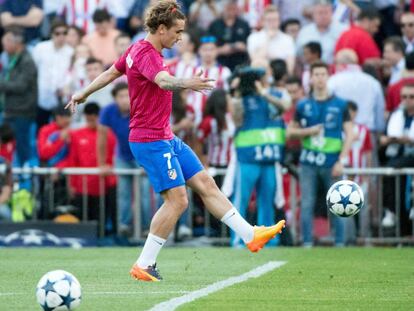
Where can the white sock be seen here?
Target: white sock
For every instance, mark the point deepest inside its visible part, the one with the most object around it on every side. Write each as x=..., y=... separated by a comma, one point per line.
x=149, y=253
x=239, y=225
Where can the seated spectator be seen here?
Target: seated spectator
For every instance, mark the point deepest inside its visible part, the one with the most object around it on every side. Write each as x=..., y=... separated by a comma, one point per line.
x=252, y=12
x=291, y=27
x=231, y=32
x=54, y=138
x=6, y=179
x=360, y=37
x=323, y=29
x=312, y=53
x=394, y=90
x=394, y=59
x=52, y=59
x=120, y=11
x=74, y=36
x=18, y=85
x=204, y=12
x=82, y=153
x=300, y=10
x=187, y=58
x=399, y=140
x=122, y=43
x=407, y=29
x=271, y=43
x=102, y=40
x=27, y=14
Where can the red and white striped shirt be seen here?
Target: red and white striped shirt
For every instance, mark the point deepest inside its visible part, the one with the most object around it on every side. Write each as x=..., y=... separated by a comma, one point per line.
x=197, y=100
x=79, y=12
x=219, y=145
x=360, y=147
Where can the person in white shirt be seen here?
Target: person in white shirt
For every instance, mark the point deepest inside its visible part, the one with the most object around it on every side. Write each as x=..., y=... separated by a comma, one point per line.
x=52, y=59
x=407, y=29
x=394, y=58
x=324, y=30
x=271, y=43
x=351, y=83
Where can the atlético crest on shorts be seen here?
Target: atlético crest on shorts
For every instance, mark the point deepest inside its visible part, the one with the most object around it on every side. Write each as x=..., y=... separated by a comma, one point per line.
x=172, y=174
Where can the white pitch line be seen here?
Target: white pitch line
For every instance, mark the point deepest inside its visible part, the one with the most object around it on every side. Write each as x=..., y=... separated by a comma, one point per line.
x=172, y=304
x=138, y=292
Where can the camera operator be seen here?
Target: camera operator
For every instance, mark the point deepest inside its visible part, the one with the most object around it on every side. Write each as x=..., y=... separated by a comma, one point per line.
x=259, y=142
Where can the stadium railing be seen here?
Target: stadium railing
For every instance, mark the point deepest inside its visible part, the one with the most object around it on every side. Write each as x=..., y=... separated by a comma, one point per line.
x=376, y=174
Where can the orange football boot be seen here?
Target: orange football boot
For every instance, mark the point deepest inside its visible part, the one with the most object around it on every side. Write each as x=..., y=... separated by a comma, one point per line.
x=263, y=234
x=149, y=274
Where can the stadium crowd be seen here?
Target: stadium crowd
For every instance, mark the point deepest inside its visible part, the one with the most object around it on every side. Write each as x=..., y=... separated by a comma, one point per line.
x=355, y=58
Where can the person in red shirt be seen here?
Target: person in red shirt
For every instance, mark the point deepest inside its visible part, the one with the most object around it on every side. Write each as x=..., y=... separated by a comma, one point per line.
x=82, y=153
x=359, y=37
x=394, y=90
x=53, y=139
x=169, y=162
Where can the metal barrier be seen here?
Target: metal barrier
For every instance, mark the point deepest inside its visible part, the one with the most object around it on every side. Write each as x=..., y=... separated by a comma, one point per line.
x=378, y=173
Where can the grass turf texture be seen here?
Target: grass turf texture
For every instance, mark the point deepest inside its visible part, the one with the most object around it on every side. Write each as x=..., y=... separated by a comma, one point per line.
x=313, y=279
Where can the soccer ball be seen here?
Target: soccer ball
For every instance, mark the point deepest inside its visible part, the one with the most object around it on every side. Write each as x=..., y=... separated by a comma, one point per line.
x=58, y=290
x=345, y=198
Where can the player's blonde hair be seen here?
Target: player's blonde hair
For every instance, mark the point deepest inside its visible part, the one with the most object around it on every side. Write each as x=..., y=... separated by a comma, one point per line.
x=164, y=12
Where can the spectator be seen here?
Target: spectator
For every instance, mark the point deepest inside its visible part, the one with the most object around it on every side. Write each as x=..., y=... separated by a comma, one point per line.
x=360, y=157
x=182, y=117
x=320, y=122
x=115, y=118
x=188, y=59
x=203, y=12
x=27, y=14
x=323, y=29
x=399, y=140
x=360, y=37
x=136, y=21
x=295, y=9
x=74, y=36
x=6, y=178
x=252, y=12
x=79, y=13
x=291, y=27
x=122, y=43
x=102, y=40
x=212, y=70
x=52, y=59
x=76, y=76
x=231, y=32
x=351, y=83
x=407, y=29
x=271, y=43
x=53, y=139
x=82, y=153
x=394, y=59
x=18, y=85
x=394, y=90
x=120, y=10
x=312, y=53
x=94, y=68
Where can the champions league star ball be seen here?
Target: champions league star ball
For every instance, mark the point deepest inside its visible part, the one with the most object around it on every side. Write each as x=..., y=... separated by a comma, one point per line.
x=345, y=198
x=58, y=290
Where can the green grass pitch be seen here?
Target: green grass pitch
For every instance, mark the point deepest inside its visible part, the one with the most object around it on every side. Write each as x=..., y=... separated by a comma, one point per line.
x=313, y=279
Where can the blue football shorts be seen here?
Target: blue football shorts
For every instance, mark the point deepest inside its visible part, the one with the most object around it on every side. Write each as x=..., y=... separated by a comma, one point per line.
x=168, y=163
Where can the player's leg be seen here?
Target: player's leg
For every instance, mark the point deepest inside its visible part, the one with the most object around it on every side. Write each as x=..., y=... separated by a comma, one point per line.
x=246, y=178
x=217, y=203
x=308, y=188
x=164, y=171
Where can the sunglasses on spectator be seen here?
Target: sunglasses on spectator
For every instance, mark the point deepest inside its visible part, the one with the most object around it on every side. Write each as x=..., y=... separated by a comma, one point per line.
x=60, y=33
x=403, y=25
x=405, y=96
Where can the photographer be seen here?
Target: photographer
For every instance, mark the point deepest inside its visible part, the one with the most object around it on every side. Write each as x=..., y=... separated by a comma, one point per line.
x=259, y=143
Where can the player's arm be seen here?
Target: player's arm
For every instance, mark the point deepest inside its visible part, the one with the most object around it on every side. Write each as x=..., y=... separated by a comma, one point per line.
x=346, y=148
x=101, y=81
x=168, y=82
x=294, y=131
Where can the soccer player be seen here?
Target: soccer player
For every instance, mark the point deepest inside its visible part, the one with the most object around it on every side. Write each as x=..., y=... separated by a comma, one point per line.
x=169, y=163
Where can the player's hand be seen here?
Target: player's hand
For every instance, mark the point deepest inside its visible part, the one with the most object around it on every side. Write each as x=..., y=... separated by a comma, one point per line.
x=77, y=98
x=105, y=170
x=199, y=83
x=315, y=130
x=337, y=169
